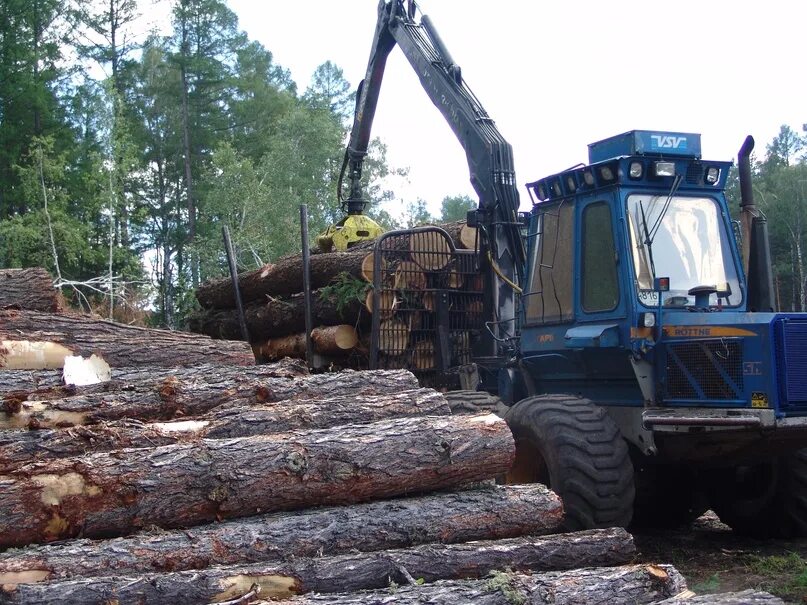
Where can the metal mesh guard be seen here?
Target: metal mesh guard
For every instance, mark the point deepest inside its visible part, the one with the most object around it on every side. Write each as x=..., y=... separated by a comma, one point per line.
x=705, y=370
x=427, y=301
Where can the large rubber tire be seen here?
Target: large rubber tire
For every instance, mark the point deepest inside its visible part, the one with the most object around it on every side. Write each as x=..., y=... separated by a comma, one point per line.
x=667, y=496
x=575, y=448
x=768, y=500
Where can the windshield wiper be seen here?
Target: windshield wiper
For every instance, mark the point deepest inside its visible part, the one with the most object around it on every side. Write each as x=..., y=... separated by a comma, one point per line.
x=657, y=225
x=648, y=242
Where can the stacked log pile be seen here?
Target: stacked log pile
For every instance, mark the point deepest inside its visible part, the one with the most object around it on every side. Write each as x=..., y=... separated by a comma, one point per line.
x=343, y=301
x=203, y=485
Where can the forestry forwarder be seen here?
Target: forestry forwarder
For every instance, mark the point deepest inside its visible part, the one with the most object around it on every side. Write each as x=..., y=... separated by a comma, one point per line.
x=634, y=344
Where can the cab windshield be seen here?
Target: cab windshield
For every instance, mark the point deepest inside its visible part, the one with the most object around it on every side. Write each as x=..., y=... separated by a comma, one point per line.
x=683, y=238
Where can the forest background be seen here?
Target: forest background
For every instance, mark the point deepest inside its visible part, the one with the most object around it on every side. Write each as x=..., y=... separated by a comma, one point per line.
x=123, y=153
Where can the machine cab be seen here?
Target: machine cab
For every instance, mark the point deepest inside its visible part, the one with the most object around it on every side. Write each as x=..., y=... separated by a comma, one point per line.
x=647, y=206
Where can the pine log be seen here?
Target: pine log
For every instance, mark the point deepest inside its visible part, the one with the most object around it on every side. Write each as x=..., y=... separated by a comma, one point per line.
x=462, y=235
x=393, y=337
x=387, y=302
x=625, y=585
x=344, y=573
x=21, y=448
x=276, y=317
x=449, y=517
x=118, y=344
x=429, y=250
x=172, y=398
x=745, y=597
x=326, y=340
x=409, y=276
x=30, y=289
x=283, y=278
x=48, y=384
x=423, y=357
x=108, y=494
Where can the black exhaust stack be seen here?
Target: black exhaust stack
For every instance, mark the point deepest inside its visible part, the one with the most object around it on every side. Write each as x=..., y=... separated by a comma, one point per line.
x=756, y=249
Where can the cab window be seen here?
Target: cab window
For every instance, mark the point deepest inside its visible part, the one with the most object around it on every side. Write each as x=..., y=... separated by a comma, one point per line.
x=599, y=284
x=549, y=299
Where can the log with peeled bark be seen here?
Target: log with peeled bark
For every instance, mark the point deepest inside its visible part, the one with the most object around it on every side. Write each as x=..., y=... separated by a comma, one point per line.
x=326, y=340
x=20, y=448
x=493, y=512
x=342, y=573
x=118, y=344
x=283, y=278
x=276, y=317
x=48, y=384
x=30, y=289
x=172, y=398
x=108, y=494
x=625, y=585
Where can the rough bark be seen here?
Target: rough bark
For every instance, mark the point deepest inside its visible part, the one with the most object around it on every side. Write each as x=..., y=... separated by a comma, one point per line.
x=626, y=585
x=283, y=278
x=276, y=317
x=345, y=573
x=48, y=384
x=108, y=494
x=30, y=289
x=22, y=448
x=119, y=344
x=171, y=398
x=745, y=597
x=492, y=512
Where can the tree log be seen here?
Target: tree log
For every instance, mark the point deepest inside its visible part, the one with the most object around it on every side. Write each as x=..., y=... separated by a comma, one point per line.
x=24, y=385
x=344, y=573
x=423, y=357
x=449, y=517
x=387, y=302
x=283, y=278
x=463, y=236
x=119, y=344
x=30, y=289
x=172, y=398
x=21, y=448
x=745, y=597
x=409, y=276
x=393, y=337
x=429, y=250
x=108, y=494
x=276, y=317
x=626, y=585
x=327, y=340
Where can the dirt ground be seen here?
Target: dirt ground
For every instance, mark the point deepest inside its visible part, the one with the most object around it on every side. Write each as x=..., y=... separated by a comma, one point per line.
x=713, y=559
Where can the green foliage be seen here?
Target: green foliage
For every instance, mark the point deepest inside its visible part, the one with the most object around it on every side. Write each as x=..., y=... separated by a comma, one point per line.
x=455, y=208
x=417, y=214
x=343, y=290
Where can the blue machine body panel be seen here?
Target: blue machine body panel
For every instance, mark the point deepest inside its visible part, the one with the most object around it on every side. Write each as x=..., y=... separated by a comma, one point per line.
x=720, y=357
x=646, y=142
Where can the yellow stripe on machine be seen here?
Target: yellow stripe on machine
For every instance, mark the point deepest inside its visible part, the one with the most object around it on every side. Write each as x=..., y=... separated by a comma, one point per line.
x=705, y=331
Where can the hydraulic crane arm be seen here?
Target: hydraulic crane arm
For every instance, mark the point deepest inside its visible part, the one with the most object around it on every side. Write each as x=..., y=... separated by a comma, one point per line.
x=489, y=155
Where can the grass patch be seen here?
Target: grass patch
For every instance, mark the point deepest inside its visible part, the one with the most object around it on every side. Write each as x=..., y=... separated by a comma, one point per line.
x=783, y=575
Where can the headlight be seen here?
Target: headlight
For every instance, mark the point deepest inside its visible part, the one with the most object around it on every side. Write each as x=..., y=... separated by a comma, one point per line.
x=664, y=168
x=712, y=175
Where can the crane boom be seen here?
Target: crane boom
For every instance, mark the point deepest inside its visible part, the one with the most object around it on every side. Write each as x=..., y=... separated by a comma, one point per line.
x=489, y=155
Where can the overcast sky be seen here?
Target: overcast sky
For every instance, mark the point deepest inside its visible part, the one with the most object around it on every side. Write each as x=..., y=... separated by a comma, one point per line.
x=558, y=75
